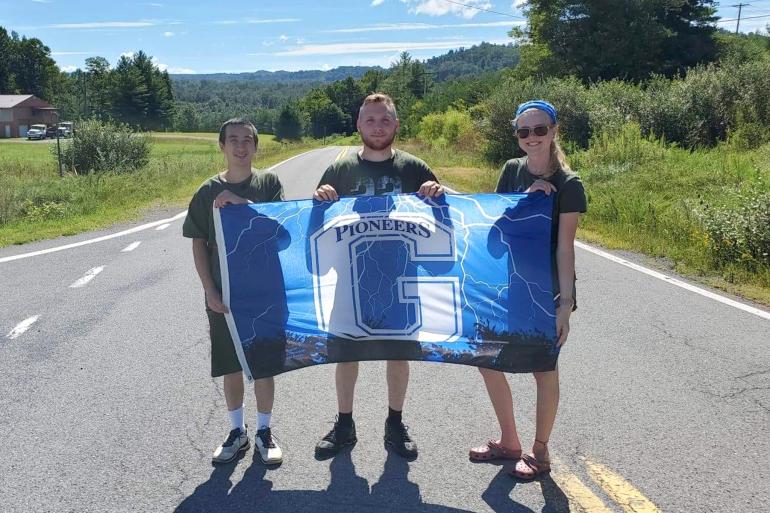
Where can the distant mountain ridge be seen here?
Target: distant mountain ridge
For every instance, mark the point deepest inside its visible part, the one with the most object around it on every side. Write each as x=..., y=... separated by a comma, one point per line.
x=285, y=77
x=462, y=62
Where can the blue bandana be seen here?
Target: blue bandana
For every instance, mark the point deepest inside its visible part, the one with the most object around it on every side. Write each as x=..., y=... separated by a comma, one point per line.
x=539, y=105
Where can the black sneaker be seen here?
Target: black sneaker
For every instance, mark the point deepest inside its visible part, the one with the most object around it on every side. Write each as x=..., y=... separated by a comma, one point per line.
x=397, y=438
x=336, y=439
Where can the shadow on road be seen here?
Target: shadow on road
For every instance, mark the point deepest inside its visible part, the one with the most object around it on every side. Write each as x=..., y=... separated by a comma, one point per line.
x=347, y=492
x=498, y=495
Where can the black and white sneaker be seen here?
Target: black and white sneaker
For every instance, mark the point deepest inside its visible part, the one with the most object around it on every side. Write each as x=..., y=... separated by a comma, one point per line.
x=336, y=439
x=267, y=446
x=237, y=442
x=397, y=438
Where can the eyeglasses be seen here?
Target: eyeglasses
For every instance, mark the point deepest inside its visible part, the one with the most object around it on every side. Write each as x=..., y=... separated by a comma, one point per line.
x=539, y=130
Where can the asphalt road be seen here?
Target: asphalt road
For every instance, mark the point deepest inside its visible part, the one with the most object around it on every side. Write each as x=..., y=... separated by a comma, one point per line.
x=108, y=407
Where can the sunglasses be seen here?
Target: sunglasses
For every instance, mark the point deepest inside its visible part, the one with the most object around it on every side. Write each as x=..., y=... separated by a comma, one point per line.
x=539, y=130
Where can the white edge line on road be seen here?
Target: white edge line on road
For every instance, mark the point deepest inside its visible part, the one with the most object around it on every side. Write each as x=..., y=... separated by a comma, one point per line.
x=90, y=274
x=22, y=327
x=674, y=281
x=163, y=227
x=131, y=247
x=92, y=241
x=124, y=232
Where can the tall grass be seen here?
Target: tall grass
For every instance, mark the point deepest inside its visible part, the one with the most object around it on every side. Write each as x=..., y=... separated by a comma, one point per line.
x=36, y=204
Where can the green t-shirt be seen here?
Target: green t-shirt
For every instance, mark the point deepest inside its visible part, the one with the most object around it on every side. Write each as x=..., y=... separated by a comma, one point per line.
x=261, y=187
x=354, y=176
x=570, y=195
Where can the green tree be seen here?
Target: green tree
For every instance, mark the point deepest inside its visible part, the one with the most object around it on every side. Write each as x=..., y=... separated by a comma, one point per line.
x=99, y=79
x=605, y=39
x=6, y=83
x=31, y=68
x=289, y=123
x=347, y=95
x=187, y=118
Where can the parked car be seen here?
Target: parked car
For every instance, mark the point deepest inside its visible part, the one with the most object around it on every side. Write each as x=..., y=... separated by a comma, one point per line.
x=66, y=128
x=50, y=132
x=36, y=132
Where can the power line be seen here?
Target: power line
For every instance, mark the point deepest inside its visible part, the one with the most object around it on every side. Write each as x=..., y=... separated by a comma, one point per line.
x=484, y=10
x=744, y=18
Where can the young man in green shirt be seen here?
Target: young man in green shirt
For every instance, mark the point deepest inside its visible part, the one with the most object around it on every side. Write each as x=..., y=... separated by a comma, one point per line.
x=375, y=170
x=238, y=184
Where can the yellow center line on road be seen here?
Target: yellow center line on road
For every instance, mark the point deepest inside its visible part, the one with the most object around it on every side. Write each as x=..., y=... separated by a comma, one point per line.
x=578, y=494
x=620, y=490
x=342, y=153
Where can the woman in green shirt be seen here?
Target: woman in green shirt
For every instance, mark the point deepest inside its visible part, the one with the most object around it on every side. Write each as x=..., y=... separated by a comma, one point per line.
x=544, y=168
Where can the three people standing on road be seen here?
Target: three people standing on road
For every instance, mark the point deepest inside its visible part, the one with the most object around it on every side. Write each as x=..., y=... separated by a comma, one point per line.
x=379, y=169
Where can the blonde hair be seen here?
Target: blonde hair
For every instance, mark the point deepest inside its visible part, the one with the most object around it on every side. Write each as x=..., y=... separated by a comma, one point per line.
x=558, y=158
x=557, y=155
x=380, y=98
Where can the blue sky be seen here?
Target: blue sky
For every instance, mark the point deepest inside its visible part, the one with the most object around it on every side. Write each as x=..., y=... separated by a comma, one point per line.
x=186, y=36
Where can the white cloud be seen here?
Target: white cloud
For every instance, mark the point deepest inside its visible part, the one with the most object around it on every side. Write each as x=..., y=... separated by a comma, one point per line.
x=326, y=67
x=154, y=4
x=168, y=34
x=387, y=27
x=300, y=41
x=252, y=21
x=518, y=4
x=440, y=7
x=42, y=1
x=68, y=69
x=162, y=67
x=55, y=54
x=375, y=3
x=283, y=38
x=103, y=24
x=128, y=55
x=382, y=47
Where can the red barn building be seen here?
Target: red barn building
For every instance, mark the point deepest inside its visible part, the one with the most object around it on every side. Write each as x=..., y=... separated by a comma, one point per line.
x=19, y=111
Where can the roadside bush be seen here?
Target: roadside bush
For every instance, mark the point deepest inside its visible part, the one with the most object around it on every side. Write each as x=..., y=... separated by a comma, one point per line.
x=451, y=128
x=740, y=234
x=98, y=147
x=708, y=105
x=749, y=136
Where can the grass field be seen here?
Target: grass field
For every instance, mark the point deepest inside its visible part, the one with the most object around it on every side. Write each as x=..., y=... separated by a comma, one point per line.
x=36, y=204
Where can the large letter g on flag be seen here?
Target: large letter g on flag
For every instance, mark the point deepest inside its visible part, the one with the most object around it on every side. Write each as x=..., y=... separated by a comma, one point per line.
x=368, y=283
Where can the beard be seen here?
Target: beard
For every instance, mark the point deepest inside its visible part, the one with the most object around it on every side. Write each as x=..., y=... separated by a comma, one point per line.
x=377, y=145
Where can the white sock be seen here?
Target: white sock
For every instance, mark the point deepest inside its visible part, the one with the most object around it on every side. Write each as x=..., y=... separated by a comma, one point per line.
x=236, y=419
x=263, y=420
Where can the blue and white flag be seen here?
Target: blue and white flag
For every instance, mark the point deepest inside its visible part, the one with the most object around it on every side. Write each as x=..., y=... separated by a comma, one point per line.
x=460, y=279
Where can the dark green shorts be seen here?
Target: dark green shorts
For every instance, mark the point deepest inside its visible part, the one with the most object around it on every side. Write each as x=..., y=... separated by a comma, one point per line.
x=224, y=359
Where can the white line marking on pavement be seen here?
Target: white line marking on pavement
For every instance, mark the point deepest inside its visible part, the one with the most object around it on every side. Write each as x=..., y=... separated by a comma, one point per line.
x=131, y=247
x=91, y=241
x=90, y=274
x=124, y=232
x=674, y=281
x=162, y=227
x=22, y=327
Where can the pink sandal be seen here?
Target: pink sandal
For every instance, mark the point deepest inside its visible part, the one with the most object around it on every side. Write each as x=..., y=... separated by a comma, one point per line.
x=529, y=468
x=493, y=451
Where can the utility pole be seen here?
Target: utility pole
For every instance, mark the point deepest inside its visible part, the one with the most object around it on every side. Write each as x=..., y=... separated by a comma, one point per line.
x=740, y=8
